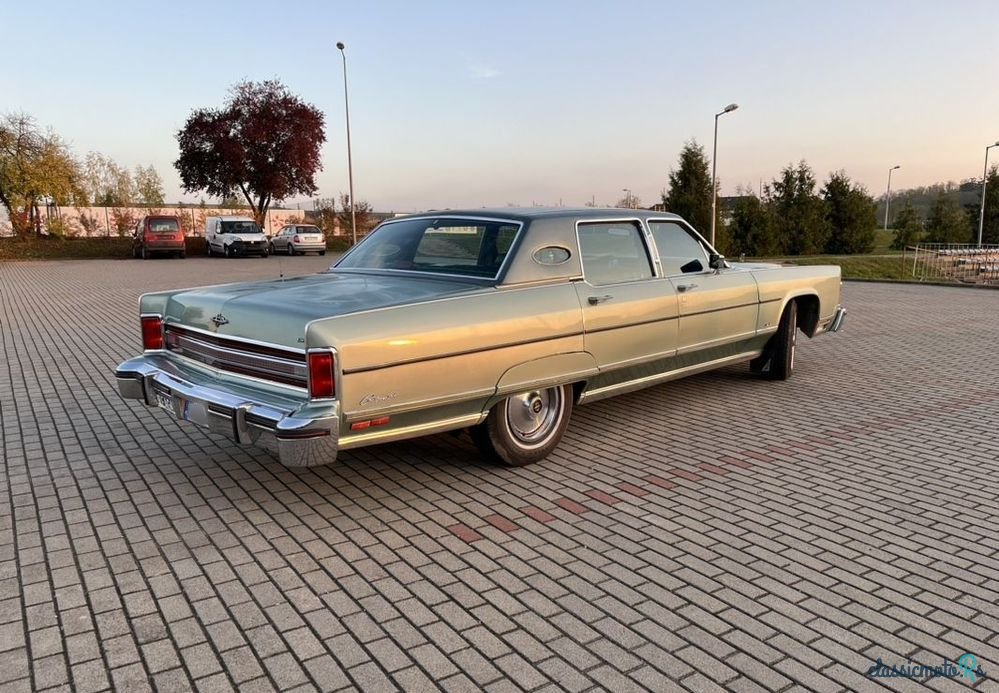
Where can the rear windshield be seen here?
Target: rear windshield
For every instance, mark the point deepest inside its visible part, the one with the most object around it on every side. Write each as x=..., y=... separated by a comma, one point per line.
x=308, y=229
x=164, y=225
x=240, y=227
x=466, y=247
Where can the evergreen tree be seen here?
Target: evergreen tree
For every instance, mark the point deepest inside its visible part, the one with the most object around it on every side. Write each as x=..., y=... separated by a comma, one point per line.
x=689, y=190
x=990, y=229
x=752, y=230
x=947, y=222
x=850, y=216
x=908, y=227
x=800, y=212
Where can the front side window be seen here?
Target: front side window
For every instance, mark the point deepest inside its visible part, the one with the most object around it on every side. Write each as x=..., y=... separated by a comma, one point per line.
x=680, y=252
x=613, y=252
x=468, y=247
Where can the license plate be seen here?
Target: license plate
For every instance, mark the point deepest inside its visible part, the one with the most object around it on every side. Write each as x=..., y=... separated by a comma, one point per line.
x=165, y=402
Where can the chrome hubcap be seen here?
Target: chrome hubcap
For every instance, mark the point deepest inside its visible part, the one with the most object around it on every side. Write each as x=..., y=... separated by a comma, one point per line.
x=532, y=416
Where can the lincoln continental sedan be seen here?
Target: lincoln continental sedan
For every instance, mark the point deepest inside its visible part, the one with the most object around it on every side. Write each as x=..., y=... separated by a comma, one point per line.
x=495, y=321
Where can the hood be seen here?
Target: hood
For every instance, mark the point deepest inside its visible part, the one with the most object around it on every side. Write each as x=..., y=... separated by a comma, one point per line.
x=277, y=311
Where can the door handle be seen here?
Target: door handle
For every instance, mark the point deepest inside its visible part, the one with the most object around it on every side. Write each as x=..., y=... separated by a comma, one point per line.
x=685, y=287
x=594, y=300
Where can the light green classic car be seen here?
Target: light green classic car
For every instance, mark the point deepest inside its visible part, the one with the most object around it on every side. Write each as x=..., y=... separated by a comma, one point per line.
x=498, y=321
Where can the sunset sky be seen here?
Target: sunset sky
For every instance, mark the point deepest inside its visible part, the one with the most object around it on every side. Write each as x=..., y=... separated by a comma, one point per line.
x=531, y=102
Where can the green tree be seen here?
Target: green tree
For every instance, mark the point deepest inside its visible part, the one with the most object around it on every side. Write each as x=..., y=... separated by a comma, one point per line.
x=36, y=168
x=850, y=216
x=752, y=230
x=362, y=212
x=689, y=189
x=148, y=186
x=108, y=184
x=947, y=222
x=908, y=227
x=799, y=211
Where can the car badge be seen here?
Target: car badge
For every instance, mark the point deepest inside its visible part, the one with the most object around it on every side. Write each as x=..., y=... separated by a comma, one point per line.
x=220, y=320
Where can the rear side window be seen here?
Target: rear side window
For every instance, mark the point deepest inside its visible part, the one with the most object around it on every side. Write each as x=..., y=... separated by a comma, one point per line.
x=613, y=252
x=164, y=226
x=680, y=252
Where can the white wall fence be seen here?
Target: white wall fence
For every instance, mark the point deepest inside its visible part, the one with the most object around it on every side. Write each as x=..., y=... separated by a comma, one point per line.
x=99, y=222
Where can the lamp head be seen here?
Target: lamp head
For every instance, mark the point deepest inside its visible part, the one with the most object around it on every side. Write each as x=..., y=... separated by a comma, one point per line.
x=731, y=107
x=895, y=167
x=339, y=44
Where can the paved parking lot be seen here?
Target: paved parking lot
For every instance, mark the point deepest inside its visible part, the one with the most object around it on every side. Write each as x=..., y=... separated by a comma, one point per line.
x=716, y=533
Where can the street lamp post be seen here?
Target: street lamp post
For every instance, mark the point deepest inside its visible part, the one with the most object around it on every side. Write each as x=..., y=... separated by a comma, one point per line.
x=888, y=195
x=714, y=169
x=350, y=163
x=627, y=197
x=985, y=177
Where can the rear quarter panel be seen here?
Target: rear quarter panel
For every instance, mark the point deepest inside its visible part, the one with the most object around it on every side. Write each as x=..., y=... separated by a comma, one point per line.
x=778, y=285
x=441, y=352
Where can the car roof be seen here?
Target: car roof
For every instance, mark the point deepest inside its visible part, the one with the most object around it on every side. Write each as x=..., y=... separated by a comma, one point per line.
x=525, y=214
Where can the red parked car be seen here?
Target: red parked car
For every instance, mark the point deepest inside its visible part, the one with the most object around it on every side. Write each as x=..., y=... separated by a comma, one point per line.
x=158, y=234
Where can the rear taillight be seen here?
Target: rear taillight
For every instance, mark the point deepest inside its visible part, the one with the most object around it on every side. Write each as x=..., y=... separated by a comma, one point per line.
x=296, y=239
x=322, y=383
x=152, y=332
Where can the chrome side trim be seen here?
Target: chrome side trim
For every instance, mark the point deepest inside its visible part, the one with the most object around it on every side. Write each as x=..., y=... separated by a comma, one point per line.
x=649, y=380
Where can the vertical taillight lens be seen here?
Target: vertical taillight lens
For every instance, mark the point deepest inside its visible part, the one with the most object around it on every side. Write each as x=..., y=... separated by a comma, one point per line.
x=152, y=332
x=322, y=383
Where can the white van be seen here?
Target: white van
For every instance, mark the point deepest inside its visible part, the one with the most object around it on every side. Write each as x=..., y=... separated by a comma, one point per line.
x=235, y=236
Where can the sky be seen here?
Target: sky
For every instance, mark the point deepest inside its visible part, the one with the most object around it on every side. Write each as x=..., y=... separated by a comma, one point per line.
x=488, y=104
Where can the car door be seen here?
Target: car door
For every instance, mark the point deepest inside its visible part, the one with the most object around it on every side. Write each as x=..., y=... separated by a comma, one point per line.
x=629, y=313
x=718, y=308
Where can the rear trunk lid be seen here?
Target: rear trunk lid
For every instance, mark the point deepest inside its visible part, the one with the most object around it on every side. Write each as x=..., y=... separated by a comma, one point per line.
x=277, y=311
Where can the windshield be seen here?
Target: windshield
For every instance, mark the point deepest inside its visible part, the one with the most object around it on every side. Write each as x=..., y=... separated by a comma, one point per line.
x=240, y=227
x=468, y=247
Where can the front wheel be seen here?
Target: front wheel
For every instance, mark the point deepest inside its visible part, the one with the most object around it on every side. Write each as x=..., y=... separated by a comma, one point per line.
x=525, y=427
x=228, y=252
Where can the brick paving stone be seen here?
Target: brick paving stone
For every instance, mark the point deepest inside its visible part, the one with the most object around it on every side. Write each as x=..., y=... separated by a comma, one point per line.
x=833, y=519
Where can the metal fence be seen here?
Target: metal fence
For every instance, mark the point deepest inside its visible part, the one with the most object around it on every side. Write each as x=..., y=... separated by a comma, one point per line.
x=964, y=263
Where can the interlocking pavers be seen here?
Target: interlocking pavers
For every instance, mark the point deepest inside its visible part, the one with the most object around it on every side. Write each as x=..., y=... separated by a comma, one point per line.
x=739, y=535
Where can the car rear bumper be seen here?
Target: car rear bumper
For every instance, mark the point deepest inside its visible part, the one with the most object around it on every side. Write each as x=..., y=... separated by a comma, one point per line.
x=837, y=323
x=302, y=436
x=156, y=246
x=308, y=247
x=833, y=324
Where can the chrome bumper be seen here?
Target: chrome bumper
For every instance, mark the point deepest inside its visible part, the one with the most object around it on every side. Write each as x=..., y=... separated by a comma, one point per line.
x=300, y=437
x=837, y=323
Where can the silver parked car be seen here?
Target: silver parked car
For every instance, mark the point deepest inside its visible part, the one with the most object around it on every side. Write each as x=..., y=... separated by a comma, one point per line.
x=296, y=239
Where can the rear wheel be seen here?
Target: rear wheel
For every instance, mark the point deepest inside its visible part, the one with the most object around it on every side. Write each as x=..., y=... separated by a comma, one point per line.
x=291, y=249
x=525, y=427
x=145, y=253
x=777, y=360
x=322, y=252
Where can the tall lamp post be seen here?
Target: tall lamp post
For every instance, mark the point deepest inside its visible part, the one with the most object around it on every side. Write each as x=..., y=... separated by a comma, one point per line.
x=627, y=197
x=985, y=177
x=888, y=195
x=714, y=169
x=350, y=163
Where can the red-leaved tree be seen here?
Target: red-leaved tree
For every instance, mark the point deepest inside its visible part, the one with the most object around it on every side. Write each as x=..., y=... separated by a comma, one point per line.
x=264, y=143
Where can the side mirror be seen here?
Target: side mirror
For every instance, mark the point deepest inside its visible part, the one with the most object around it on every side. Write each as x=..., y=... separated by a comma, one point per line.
x=716, y=261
